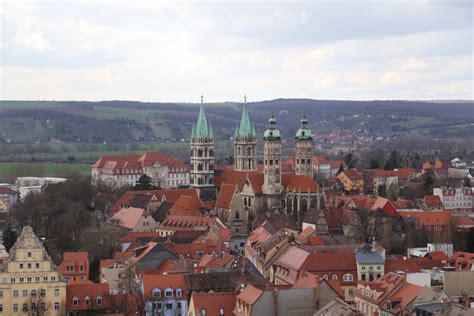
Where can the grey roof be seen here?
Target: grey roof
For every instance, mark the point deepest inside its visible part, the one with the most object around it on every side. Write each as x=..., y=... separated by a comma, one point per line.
x=369, y=257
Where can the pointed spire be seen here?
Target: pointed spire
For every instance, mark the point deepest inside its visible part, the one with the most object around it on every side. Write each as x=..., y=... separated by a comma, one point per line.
x=245, y=128
x=253, y=130
x=211, y=134
x=236, y=134
x=193, y=132
x=201, y=129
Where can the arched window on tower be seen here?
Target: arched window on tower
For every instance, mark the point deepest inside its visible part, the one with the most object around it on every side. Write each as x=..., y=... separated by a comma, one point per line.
x=199, y=152
x=211, y=152
x=249, y=151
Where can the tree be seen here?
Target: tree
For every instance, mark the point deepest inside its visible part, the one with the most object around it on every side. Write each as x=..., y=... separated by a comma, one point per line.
x=144, y=183
x=37, y=305
x=392, y=162
x=382, y=190
x=349, y=160
x=367, y=226
x=428, y=183
x=9, y=237
x=470, y=240
x=341, y=169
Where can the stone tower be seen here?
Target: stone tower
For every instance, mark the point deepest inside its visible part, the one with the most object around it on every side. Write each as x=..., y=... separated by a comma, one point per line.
x=202, y=157
x=245, y=144
x=272, y=186
x=303, y=149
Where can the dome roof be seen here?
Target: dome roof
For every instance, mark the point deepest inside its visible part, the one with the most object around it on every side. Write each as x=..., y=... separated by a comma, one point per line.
x=304, y=133
x=272, y=133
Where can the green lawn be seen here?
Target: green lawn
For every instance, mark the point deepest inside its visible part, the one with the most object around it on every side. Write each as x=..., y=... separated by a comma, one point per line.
x=9, y=171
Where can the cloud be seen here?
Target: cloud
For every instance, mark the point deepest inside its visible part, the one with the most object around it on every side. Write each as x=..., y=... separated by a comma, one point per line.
x=173, y=51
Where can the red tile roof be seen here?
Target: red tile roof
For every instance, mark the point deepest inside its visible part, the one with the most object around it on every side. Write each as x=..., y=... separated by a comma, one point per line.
x=433, y=201
x=166, y=194
x=91, y=290
x=319, y=159
x=225, y=196
x=298, y=183
x=162, y=282
x=354, y=174
x=7, y=191
x=213, y=302
x=404, y=174
x=437, y=255
x=433, y=218
x=187, y=204
x=322, y=262
x=249, y=294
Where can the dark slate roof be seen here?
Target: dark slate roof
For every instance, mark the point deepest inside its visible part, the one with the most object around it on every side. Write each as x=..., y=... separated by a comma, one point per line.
x=367, y=255
x=223, y=281
x=160, y=214
x=141, y=201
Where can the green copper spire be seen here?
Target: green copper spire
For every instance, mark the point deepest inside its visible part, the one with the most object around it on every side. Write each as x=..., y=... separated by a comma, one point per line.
x=202, y=129
x=245, y=128
x=304, y=132
x=193, y=131
x=211, y=134
x=272, y=133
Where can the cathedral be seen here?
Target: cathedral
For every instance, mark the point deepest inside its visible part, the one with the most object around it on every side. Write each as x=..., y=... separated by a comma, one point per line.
x=259, y=189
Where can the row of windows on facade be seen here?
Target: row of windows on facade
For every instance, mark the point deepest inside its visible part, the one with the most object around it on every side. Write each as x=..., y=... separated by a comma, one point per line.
x=32, y=293
x=157, y=306
x=250, y=152
x=71, y=268
x=202, y=167
x=168, y=292
x=87, y=300
x=202, y=152
x=371, y=276
x=202, y=180
x=26, y=308
x=30, y=279
x=303, y=161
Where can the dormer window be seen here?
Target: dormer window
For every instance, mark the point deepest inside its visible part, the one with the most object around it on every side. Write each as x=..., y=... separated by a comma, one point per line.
x=75, y=301
x=179, y=293
x=221, y=312
x=169, y=292
x=156, y=292
x=87, y=300
x=99, y=300
x=203, y=312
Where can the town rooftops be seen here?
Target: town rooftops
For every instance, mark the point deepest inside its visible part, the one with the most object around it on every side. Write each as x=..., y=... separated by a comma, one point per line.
x=163, y=282
x=249, y=294
x=433, y=218
x=225, y=196
x=187, y=204
x=213, y=303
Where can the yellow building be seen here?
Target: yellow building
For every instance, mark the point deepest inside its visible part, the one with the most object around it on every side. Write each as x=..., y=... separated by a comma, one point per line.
x=31, y=281
x=351, y=180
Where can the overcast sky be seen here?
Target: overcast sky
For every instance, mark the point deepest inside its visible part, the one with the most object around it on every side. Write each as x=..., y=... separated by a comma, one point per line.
x=154, y=51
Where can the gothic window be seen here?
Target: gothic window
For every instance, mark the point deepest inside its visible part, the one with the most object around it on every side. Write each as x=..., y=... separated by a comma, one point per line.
x=295, y=204
x=238, y=150
x=200, y=167
x=271, y=162
x=237, y=215
x=205, y=152
x=304, y=204
x=199, y=152
x=211, y=152
x=249, y=151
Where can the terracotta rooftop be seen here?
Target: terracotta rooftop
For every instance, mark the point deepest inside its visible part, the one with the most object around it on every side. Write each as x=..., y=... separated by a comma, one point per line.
x=225, y=195
x=214, y=302
x=187, y=204
x=128, y=217
x=249, y=294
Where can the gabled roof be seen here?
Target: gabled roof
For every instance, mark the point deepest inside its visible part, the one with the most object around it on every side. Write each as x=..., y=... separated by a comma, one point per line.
x=80, y=258
x=128, y=217
x=353, y=174
x=162, y=282
x=437, y=255
x=433, y=201
x=164, y=194
x=294, y=258
x=249, y=294
x=213, y=302
x=187, y=204
x=330, y=262
x=298, y=183
x=225, y=196
x=91, y=290
x=320, y=159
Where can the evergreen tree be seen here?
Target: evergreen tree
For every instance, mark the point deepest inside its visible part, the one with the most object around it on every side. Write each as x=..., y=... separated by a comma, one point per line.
x=349, y=160
x=341, y=169
x=392, y=162
x=382, y=190
x=428, y=184
x=9, y=237
x=144, y=183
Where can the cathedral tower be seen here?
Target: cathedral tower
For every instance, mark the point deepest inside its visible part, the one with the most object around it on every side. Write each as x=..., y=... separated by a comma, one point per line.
x=303, y=149
x=272, y=186
x=202, y=157
x=245, y=143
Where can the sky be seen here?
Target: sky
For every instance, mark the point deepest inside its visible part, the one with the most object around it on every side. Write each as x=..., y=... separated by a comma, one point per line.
x=173, y=51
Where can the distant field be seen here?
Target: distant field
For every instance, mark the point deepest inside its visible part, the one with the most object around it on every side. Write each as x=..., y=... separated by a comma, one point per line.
x=9, y=171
